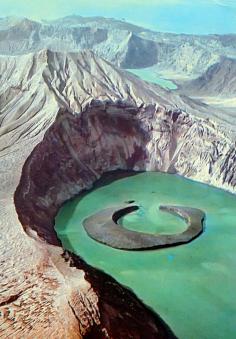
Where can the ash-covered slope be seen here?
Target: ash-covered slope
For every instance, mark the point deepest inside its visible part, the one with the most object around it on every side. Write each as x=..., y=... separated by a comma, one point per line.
x=219, y=80
x=116, y=41
x=34, y=86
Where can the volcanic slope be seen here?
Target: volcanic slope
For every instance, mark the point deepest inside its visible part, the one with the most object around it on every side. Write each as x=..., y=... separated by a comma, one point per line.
x=34, y=86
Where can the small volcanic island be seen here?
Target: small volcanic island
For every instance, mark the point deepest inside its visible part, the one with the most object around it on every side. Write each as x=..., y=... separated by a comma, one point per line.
x=103, y=226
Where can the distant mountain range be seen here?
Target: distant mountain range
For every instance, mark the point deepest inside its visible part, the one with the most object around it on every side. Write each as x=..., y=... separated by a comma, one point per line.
x=124, y=44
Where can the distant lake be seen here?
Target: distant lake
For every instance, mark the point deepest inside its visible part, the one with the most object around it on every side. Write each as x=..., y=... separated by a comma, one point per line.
x=193, y=286
x=148, y=74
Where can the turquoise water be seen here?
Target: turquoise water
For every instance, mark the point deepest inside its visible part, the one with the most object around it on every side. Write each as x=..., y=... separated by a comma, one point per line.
x=192, y=287
x=148, y=74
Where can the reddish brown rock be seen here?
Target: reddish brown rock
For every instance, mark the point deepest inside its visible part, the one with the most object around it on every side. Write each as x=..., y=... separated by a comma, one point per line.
x=67, y=161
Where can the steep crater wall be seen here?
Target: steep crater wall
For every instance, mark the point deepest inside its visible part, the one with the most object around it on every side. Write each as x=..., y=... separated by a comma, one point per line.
x=78, y=148
x=74, y=153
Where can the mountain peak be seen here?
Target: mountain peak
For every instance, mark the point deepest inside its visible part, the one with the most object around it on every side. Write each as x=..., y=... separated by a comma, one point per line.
x=47, y=54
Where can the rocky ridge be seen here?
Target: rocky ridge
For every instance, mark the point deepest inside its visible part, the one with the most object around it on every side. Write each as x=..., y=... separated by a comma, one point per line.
x=34, y=86
x=219, y=80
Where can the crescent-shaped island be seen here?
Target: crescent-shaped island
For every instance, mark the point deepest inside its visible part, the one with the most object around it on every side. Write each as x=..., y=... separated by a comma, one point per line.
x=104, y=227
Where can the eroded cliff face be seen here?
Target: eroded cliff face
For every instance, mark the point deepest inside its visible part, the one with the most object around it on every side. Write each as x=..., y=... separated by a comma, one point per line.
x=78, y=148
x=74, y=153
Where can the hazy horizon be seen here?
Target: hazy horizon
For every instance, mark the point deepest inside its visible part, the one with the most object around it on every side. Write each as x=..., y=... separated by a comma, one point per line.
x=176, y=16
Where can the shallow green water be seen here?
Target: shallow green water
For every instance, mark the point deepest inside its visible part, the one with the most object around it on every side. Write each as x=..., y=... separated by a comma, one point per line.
x=148, y=74
x=192, y=287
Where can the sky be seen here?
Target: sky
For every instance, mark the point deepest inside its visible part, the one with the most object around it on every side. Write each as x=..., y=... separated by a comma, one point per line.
x=180, y=16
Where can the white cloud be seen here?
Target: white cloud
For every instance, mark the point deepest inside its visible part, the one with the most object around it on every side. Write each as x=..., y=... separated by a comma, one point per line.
x=225, y=3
